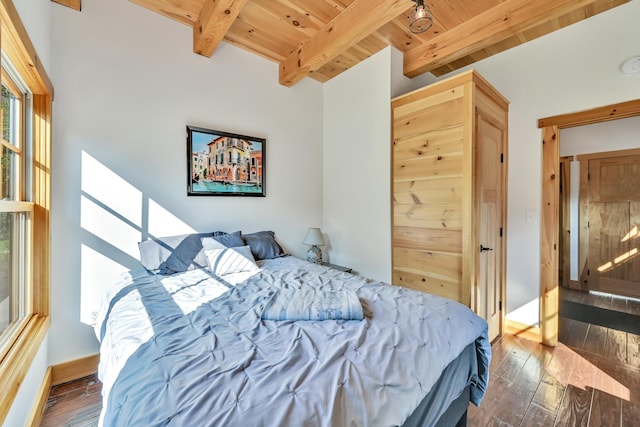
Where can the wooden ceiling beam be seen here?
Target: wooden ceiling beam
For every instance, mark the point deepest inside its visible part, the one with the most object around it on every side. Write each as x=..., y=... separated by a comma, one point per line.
x=212, y=25
x=352, y=25
x=73, y=4
x=484, y=30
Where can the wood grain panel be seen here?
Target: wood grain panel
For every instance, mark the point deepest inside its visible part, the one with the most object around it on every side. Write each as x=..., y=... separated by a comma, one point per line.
x=307, y=20
x=596, y=115
x=435, y=152
x=484, y=30
x=531, y=333
x=402, y=108
x=549, y=240
x=583, y=225
x=216, y=17
x=445, y=115
x=74, y=369
x=186, y=12
x=446, y=190
x=35, y=416
x=427, y=284
x=616, y=179
x=265, y=27
x=350, y=27
x=433, y=143
x=633, y=264
x=608, y=224
x=425, y=239
x=437, y=265
x=432, y=167
x=432, y=216
x=564, y=238
x=73, y=4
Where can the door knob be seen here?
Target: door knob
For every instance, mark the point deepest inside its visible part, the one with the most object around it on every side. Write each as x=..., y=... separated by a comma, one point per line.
x=483, y=249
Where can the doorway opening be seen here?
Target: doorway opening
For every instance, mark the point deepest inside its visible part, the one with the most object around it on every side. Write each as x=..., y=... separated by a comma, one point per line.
x=550, y=214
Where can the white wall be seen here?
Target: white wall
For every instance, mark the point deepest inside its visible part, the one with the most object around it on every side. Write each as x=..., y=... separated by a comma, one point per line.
x=608, y=136
x=357, y=158
x=36, y=17
x=127, y=84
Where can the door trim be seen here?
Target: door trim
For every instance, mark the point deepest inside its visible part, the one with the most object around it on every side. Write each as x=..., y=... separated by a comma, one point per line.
x=551, y=127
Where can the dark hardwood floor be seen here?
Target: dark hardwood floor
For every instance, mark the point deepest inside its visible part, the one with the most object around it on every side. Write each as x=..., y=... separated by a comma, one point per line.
x=76, y=403
x=592, y=378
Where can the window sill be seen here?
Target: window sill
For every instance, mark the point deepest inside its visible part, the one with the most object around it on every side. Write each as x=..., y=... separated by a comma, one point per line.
x=18, y=359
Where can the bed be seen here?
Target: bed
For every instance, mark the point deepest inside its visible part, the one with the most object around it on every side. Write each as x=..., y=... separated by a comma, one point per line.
x=194, y=348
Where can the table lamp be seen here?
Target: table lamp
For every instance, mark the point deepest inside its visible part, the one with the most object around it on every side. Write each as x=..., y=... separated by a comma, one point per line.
x=315, y=240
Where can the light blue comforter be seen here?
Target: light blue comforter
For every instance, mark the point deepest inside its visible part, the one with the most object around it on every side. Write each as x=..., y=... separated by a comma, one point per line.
x=192, y=350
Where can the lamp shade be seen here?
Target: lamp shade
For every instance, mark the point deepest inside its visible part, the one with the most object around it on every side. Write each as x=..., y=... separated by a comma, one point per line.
x=314, y=237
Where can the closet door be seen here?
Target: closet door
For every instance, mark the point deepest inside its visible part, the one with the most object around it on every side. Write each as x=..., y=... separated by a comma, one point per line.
x=490, y=138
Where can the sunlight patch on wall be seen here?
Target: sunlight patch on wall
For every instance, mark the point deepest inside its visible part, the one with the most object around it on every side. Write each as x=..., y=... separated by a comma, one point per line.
x=528, y=314
x=111, y=190
x=164, y=223
x=108, y=227
x=97, y=271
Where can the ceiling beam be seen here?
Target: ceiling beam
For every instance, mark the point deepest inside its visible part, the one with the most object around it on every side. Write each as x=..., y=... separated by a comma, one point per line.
x=212, y=25
x=73, y=4
x=352, y=25
x=482, y=31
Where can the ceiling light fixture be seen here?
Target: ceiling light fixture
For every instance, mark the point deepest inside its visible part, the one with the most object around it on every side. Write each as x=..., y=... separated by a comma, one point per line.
x=420, y=19
x=631, y=66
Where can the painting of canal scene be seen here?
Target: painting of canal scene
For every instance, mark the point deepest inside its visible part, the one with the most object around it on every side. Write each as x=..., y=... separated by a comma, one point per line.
x=224, y=164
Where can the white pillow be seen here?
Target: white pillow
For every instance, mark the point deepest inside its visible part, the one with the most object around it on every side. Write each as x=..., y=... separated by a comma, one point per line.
x=230, y=260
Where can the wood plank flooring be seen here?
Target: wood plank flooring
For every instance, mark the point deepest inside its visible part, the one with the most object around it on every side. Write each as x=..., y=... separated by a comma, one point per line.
x=591, y=379
x=76, y=403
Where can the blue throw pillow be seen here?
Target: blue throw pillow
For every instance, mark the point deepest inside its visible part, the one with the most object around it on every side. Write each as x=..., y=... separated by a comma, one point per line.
x=263, y=245
x=231, y=240
x=168, y=255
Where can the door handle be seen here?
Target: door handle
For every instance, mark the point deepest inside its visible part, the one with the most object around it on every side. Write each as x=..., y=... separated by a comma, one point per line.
x=483, y=249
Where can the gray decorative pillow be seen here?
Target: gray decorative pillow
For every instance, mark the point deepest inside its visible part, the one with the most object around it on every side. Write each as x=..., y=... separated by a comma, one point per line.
x=171, y=254
x=263, y=245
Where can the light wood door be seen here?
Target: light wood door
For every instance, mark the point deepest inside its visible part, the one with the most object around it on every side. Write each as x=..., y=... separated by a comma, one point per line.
x=490, y=198
x=613, y=222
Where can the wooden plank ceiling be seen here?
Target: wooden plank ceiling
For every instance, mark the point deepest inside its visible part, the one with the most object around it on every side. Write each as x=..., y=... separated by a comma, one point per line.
x=322, y=38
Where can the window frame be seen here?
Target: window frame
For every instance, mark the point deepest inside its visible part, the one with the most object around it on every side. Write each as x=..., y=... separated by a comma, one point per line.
x=27, y=337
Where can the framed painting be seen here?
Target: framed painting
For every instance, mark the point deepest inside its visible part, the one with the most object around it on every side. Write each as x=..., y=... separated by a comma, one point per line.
x=224, y=164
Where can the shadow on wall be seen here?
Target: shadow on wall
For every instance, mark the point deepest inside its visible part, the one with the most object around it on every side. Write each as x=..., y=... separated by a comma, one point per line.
x=114, y=217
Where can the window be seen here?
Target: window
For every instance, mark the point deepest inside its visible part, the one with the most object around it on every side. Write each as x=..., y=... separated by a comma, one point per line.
x=25, y=200
x=15, y=209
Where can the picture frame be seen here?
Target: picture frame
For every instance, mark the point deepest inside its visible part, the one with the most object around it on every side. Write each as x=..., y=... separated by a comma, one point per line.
x=221, y=163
